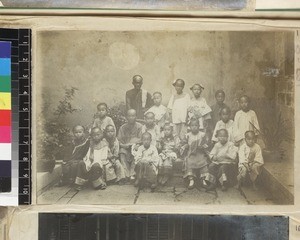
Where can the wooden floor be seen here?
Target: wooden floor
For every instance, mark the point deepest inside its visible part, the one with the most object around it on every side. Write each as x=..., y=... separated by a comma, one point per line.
x=179, y=195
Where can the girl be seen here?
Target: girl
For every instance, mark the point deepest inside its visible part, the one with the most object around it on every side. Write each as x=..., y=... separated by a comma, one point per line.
x=73, y=153
x=198, y=107
x=250, y=160
x=169, y=150
x=224, y=123
x=146, y=162
x=178, y=106
x=223, y=167
x=160, y=111
x=195, y=152
x=244, y=120
x=113, y=153
x=91, y=167
x=101, y=120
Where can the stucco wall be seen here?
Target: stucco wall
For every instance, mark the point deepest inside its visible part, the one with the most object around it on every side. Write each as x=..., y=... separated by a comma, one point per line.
x=101, y=65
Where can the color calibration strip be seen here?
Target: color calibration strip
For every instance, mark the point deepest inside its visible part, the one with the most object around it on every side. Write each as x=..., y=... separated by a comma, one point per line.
x=5, y=117
x=20, y=40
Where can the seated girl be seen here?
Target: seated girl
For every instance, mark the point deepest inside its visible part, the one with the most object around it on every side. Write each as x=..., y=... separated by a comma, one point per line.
x=169, y=146
x=194, y=150
x=250, y=160
x=223, y=164
x=90, y=169
x=73, y=153
x=113, y=162
x=146, y=162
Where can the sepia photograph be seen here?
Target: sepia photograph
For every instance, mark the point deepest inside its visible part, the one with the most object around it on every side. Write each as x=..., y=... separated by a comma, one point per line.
x=60, y=226
x=165, y=117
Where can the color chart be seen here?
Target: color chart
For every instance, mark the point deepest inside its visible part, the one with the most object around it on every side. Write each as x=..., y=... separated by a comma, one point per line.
x=5, y=117
x=15, y=116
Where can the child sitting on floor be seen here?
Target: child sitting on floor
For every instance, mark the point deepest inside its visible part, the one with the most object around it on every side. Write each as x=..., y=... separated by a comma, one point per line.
x=169, y=148
x=101, y=120
x=224, y=123
x=178, y=105
x=196, y=157
x=250, y=160
x=160, y=111
x=73, y=153
x=244, y=120
x=113, y=153
x=223, y=162
x=151, y=127
x=91, y=167
x=146, y=162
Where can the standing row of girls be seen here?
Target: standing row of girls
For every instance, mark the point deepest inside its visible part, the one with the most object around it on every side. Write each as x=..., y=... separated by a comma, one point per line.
x=205, y=138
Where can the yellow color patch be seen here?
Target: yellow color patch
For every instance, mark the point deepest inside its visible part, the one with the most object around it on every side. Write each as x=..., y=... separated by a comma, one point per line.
x=5, y=101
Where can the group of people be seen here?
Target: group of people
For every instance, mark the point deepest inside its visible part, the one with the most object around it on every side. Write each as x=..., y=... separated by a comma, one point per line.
x=216, y=148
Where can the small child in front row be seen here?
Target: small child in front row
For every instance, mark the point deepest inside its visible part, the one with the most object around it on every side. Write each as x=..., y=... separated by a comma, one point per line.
x=196, y=157
x=169, y=146
x=101, y=120
x=151, y=127
x=73, y=154
x=146, y=162
x=250, y=160
x=244, y=120
x=223, y=162
x=160, y=111
x=113, y=153
x=224, y=123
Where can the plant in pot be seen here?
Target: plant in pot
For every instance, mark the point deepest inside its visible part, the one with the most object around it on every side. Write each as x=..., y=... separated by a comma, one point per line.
x=54, y=132
x=273, y=133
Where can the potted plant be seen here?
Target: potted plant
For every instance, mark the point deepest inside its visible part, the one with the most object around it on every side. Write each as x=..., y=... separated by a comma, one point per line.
x=274, y=131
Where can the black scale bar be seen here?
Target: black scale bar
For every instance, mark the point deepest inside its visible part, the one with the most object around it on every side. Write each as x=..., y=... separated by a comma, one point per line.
x=21, y=104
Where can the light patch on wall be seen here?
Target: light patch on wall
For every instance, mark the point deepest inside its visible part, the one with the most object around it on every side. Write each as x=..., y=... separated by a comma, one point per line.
x=124, y=55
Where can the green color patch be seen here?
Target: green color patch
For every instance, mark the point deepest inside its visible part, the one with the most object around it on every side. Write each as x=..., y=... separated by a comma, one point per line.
x=5, y=83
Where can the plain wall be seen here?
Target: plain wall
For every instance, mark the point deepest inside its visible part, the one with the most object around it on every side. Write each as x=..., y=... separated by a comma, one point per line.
x=101, y=65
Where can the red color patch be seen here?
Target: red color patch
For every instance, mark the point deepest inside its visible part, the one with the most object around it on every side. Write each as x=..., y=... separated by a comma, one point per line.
x=5, y=118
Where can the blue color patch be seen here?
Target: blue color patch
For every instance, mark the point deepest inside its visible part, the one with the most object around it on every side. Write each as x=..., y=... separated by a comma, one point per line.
x=5, y=49
x=5, y=66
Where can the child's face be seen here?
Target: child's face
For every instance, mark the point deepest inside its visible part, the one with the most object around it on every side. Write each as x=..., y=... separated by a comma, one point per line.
x=250, y=140
x=225, y=115
x=244, y=104
x=102, y=111
x=220, y=97
x=194, y=127
x=149, y=120
x=146, y=140
x=168, y=131
x=78, y=132
x=157, y=99
x=97, y=135
x=222, y=137
x=110, y=132
x=197, y=91
x=179, y=87
x=131, y=116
